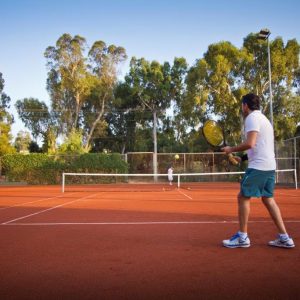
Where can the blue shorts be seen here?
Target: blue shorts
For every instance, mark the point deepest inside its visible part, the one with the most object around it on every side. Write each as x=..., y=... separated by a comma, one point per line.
x=257, y=183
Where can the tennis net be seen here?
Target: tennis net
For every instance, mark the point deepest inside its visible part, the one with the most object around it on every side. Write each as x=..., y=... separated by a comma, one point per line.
x=159, y=182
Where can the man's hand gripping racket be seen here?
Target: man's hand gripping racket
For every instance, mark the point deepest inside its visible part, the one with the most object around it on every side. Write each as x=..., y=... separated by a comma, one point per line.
x=213, y=134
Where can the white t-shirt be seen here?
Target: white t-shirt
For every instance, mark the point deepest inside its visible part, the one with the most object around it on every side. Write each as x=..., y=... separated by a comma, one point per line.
x=261, y=156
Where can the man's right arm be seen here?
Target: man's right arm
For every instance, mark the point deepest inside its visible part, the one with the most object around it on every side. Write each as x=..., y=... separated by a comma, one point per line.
x=248, y=144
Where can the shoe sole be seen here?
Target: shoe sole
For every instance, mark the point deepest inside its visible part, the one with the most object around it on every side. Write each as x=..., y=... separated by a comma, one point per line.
x=237, y=246
x=282, y=246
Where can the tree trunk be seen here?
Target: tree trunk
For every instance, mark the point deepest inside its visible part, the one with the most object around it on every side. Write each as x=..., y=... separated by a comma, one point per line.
x=77, y=110
x=94, y=126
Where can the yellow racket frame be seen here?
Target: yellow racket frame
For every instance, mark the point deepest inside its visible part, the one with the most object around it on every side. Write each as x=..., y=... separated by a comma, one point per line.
x=213, y=133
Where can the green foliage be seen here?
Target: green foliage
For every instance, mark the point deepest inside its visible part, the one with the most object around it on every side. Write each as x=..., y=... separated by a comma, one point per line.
x=44, y=169
x=34, y=147
x=284, y=67
x=35, y=115
x=149, y=89
x=216, y=83
x=17, y=166
x=23, y=141
x=5, y=145
x=287, y=110
x=73, y=144
x=213, y=84
x=6, y=120
x=150, y=83
x=49, y=142
x=81, y=87
x=68, y=82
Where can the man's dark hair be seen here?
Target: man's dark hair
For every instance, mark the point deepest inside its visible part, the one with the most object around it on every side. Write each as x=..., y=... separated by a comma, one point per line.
x=252, y=101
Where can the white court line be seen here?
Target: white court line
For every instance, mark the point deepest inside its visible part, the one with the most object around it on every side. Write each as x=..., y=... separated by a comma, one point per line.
x=48, y=209
x=141, y=200
x=285, y=194
x=136, y=223
x=180, y=192
x=21, y=204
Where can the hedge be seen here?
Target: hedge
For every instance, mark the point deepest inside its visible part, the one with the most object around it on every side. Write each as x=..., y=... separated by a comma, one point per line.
x=39, y=168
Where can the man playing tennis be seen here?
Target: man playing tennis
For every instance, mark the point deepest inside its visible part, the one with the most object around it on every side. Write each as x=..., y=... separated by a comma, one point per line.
x=259, y=178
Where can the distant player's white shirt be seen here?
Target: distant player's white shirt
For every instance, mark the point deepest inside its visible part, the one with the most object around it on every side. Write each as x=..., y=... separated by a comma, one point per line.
x=170, y=174
x=262, y=156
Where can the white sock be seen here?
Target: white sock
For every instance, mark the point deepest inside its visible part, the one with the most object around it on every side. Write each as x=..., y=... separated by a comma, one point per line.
x=283, y=236
x=243, y=235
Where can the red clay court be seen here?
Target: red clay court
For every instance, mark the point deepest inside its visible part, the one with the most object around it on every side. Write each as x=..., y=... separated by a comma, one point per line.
x=160, y=244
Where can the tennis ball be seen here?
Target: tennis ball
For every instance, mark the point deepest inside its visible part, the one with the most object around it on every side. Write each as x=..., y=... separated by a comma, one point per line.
x=176, y=156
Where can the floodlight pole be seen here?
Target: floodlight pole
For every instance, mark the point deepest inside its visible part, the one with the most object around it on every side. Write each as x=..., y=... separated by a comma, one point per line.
x=155, y=145
x=264, y=34
x=270, y=83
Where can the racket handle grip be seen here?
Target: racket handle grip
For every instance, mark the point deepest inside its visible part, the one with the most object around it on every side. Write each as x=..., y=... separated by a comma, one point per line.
x=232, y=159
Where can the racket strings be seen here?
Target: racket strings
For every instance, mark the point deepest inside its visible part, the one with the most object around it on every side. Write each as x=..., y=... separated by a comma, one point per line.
x=213, y=133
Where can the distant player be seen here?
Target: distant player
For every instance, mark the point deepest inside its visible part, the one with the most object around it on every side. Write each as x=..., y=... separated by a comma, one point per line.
x=170, y=175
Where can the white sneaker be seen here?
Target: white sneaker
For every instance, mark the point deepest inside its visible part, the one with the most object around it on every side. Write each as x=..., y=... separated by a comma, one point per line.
x=287, y=243
x=237, y=241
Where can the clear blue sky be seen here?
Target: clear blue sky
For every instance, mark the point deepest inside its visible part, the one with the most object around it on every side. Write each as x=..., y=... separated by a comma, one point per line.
x=154, y=29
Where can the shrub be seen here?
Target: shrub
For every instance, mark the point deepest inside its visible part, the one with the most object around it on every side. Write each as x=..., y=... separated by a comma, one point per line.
x=39, y=168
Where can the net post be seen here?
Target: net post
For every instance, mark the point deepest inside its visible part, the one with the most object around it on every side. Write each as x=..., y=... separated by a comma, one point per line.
x=178, y=181
x=63, y=183
x=296, y=180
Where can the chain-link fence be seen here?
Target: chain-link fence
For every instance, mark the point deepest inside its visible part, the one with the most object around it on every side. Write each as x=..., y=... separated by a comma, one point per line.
x=288, y=157
x=142, y=163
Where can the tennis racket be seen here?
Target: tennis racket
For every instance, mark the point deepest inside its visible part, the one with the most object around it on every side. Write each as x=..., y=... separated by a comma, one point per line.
x=214, y=135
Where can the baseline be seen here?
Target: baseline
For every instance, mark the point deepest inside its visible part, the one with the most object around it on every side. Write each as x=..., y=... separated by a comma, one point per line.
x=139, y=223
